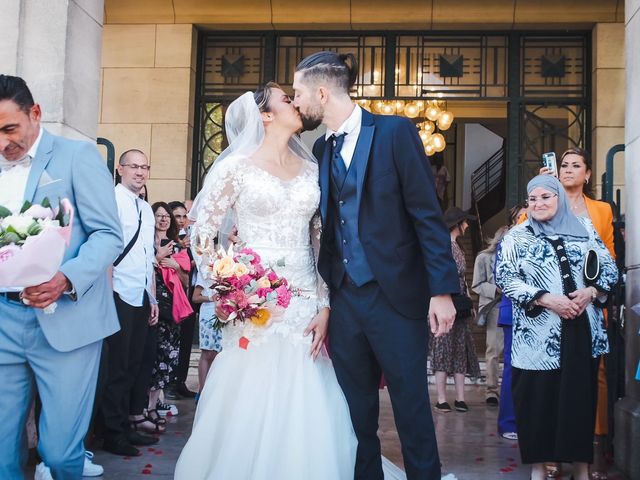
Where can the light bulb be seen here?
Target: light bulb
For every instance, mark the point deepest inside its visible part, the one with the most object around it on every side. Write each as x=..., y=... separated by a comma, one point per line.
x=429, y=150
x=445, y=120
x=432, y=113
x=388, y=109
x=428, y=127
x=438, y=141
x=399, y=104
x=411, y=110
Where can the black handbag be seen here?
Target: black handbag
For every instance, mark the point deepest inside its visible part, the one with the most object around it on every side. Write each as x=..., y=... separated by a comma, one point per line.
x=463, y=304
x=591, y=267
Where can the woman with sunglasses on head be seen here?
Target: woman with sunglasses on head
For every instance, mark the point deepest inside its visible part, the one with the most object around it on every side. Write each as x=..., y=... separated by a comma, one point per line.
x=575, y=173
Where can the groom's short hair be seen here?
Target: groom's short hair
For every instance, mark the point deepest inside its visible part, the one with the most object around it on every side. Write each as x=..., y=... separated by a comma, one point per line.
x=339, y=68
x=16, y=90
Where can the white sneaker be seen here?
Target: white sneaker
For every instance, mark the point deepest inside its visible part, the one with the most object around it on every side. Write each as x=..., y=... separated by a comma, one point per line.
x=91, y=469
x=42, y=472
x=165, y=409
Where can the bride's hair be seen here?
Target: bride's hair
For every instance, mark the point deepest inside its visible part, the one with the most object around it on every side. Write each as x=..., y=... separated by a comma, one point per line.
x=339, y=68
x=262, y=96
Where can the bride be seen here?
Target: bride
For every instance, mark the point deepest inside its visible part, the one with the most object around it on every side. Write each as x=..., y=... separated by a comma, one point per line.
x=273, y=409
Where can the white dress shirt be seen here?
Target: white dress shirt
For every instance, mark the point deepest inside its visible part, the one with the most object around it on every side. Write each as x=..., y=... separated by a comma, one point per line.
x=351, y=127
x=13, y=180
x=134, y=274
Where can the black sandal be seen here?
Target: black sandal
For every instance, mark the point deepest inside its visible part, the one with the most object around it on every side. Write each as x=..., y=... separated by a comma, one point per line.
x=139, y=425
x=154, y=416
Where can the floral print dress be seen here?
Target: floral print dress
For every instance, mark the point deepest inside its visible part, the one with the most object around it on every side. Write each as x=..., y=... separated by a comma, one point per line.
x=456, y=352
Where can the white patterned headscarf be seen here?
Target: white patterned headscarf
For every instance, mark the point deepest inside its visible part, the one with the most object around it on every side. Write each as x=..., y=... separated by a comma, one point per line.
x=564, y=223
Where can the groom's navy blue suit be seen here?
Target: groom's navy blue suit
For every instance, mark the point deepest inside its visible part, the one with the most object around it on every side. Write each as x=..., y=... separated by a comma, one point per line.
x=384, y=252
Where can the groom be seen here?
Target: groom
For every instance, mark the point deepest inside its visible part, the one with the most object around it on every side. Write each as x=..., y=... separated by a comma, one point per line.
x=386, y=255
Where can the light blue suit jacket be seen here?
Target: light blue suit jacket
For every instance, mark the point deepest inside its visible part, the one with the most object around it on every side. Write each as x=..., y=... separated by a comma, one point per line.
x=75, y=170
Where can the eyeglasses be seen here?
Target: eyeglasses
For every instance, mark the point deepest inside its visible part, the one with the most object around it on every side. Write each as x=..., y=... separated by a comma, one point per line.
x=541, y=199
x=162, y=217
x=133, y=166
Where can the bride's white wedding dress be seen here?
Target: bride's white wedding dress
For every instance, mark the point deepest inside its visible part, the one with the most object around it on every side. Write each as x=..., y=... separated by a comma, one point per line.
x=270, y=411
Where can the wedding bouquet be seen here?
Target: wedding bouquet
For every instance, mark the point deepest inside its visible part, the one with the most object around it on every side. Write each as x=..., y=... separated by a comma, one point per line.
x=33, y=242
x=248, y=291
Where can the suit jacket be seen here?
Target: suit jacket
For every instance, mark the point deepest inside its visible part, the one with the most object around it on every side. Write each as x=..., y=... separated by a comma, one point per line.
x=400, y=225
x=75, y=170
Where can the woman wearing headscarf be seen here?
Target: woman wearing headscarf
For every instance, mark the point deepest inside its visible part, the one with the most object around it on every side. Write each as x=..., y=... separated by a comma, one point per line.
x=558, y=330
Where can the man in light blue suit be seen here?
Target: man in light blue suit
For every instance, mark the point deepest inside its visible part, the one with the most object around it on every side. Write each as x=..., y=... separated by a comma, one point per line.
x=58, y=352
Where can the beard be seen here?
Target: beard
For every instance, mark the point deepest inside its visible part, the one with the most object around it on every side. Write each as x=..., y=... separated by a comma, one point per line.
x=312, y=119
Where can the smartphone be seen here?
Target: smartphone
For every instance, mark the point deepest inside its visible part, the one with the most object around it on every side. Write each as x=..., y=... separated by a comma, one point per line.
x=549, y=161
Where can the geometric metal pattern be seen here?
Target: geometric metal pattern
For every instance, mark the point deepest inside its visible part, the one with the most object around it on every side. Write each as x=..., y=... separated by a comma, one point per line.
x=368, y=50
x=548, y=128
x=232, y=65
x=554, y=66
x=461, y=66
x=212, y=140
x=451, y=65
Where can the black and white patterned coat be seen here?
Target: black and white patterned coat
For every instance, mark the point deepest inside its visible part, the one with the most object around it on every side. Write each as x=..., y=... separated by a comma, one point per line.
x=526, y=268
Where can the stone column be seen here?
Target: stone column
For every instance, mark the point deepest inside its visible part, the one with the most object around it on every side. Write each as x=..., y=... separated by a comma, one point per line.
x=627, y=411
x=56, y=47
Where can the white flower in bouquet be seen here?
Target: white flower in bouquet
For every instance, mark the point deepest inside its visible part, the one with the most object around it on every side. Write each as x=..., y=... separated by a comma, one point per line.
x=20, y=224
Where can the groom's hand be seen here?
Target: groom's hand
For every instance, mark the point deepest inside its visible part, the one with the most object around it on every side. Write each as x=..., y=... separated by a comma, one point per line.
x=442, y=313
x=318, y=327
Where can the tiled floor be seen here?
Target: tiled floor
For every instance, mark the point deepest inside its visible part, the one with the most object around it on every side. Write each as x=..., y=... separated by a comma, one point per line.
x=468, y=443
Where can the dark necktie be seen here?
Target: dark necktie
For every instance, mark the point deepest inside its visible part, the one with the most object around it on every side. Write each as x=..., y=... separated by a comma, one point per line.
x=338, y=168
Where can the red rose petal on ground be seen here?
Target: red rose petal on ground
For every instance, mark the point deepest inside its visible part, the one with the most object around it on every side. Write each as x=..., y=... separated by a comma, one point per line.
x=150, y=449
x=146, y=471
x=158, y=452
x=513, y=465
x=243, y=342
x=126, y=458
x=479, y=459
x=506, y=470
x=511, y=459
x=148, y=465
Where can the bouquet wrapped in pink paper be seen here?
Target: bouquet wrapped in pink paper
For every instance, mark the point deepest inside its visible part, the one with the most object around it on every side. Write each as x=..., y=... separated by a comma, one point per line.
x=33, y=242
x=248, y=291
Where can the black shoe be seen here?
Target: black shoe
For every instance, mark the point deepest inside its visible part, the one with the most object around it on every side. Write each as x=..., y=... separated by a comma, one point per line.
x=140, y=439
x=492, y=402
x=184, y=391
x=460, y=406
x=120, y=446
x=443, y=407
x=171, y=393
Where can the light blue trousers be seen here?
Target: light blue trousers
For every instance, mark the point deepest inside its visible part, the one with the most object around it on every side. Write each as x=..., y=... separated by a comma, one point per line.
x=66, y=383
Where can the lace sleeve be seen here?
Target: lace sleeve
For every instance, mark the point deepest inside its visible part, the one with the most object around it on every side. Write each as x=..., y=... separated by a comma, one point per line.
x=218, y=200
x=316, y=232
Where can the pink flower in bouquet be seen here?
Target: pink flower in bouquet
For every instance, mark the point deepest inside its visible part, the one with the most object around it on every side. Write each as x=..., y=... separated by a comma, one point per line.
x=239, y=298
x=271, y=275
x=263, y=292
x=284, y=296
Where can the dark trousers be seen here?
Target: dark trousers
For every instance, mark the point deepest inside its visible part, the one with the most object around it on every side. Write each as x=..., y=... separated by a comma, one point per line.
x=368, y=337
x=124, y=379
x=186, y=342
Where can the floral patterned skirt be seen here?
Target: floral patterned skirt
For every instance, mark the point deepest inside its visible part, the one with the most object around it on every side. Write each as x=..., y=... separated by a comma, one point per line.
x=455, y=352
x=167, y=353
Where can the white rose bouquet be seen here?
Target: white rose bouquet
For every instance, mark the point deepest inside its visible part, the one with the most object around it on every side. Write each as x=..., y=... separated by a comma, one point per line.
x=33, y=242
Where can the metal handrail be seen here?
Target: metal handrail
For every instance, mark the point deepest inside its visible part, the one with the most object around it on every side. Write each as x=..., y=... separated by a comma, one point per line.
x=489, y=175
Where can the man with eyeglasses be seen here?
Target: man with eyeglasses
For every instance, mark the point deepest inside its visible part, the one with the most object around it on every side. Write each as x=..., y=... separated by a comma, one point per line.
x=127, y=373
